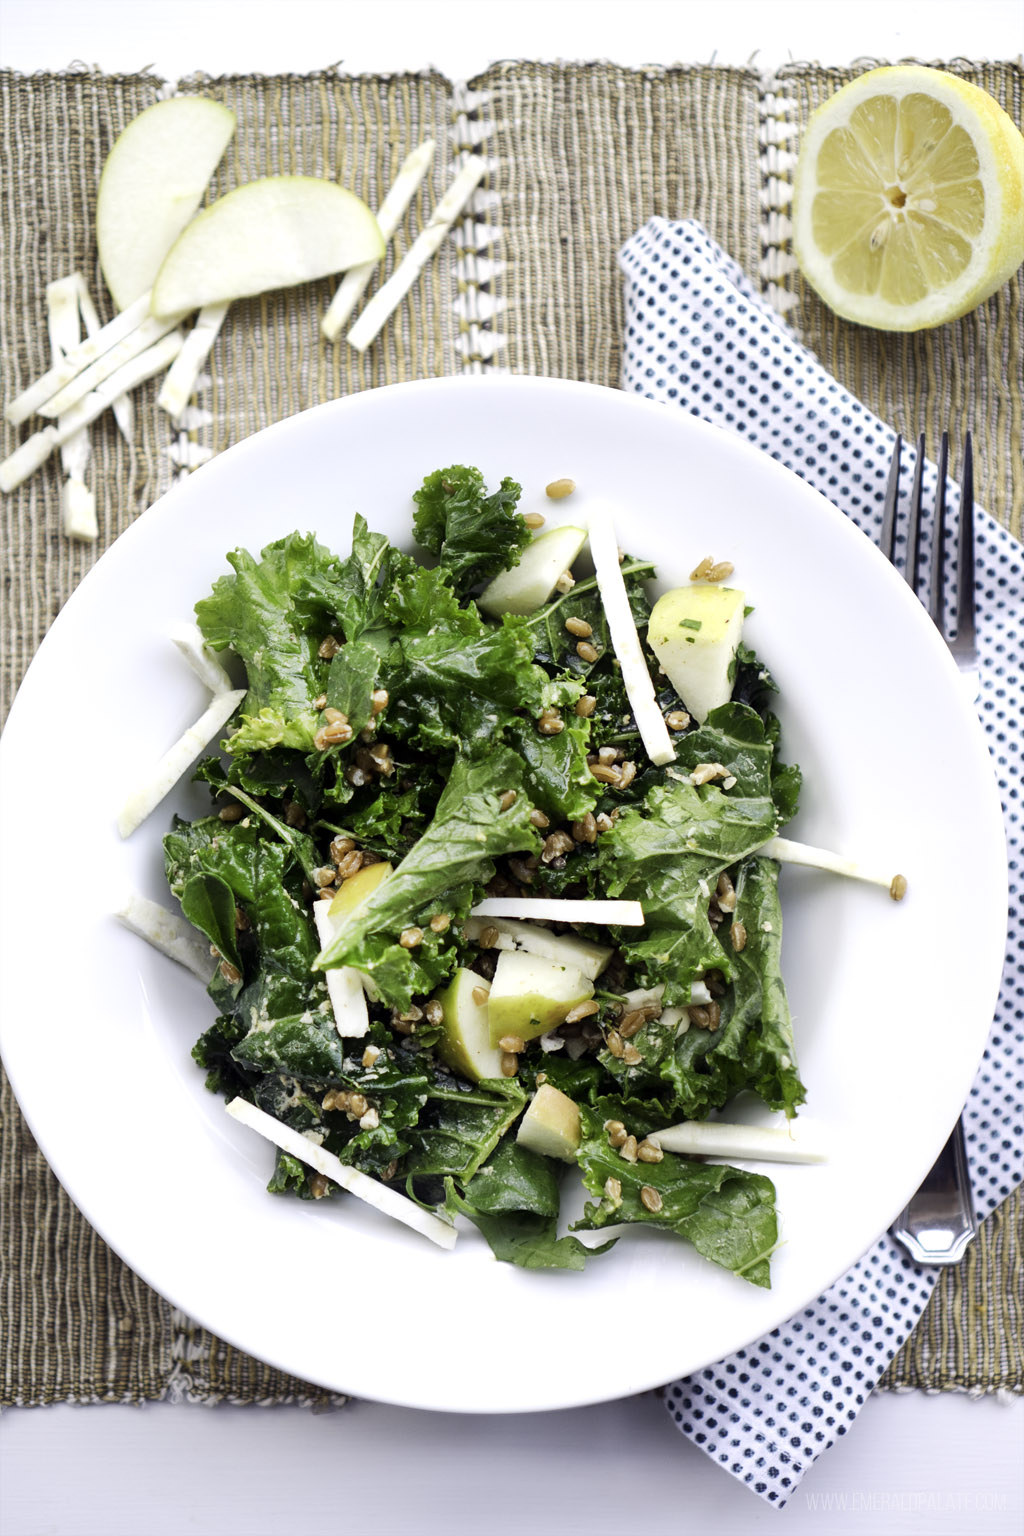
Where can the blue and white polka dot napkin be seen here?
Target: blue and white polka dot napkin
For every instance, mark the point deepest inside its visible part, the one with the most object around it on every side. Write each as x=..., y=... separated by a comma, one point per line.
x=700, y=338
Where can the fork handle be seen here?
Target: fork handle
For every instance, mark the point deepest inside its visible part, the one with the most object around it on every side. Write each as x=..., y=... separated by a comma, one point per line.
x=939, y=1222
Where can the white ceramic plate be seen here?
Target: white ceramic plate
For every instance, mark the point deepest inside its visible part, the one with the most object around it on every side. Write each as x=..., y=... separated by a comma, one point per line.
x=891, y=1003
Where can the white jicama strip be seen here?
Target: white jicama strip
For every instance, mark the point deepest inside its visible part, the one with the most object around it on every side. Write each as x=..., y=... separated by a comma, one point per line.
x=640, y=997
x=390, y=294
x=78, y=358
x=159, y=782
x=172, y=935
x=24, y=461
x=189, y=641
x=388, y=1201
x=625, y=640
x=181, y=380
x=124, y=411
x=788, y=852
x=36, y=449
x=78, y=504
x=589, y=958
x=750, y=1143
x=389, y=216
x=141, y=339
x=78, y=511
x=600, y=1235
x=344, y=983
x=558, y=909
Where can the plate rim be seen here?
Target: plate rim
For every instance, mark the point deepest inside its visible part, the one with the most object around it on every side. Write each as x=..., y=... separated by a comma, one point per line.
x=373, y=400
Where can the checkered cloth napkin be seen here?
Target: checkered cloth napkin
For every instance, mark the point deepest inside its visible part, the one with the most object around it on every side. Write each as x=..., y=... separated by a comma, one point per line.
x=700, y=338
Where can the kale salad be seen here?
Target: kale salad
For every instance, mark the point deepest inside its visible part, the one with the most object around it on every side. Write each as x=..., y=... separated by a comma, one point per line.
x=485, y=903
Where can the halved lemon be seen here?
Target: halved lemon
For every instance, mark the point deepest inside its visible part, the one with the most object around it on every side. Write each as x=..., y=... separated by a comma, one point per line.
x=908, y=201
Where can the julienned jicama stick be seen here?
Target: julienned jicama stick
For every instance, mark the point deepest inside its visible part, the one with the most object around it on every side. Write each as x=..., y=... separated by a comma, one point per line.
x=133, y=345
x=193, y=648
x=388, y=297
x=124, y=411
x=87, y=351
x=559, y=909
x=388, y=1201
x=181, y=380
x=788, y=852
x=168, y=932
x=796, y=1143
x=389, y=216
x=636, y=678
x=36, y=449
x=175, y=762
x=78, y=504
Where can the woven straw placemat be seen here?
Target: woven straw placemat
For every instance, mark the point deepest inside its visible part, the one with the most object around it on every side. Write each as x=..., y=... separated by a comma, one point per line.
x=580, y=156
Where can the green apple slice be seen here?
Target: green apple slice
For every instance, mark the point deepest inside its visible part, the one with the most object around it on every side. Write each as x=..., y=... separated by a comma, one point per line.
x=695, y=633
x=356, y=891
x=531, y=995
x=528, y=585
x=551, y=1125
x=270, y=233
x=152, y=183
x=569, y=948
x=465, y=1042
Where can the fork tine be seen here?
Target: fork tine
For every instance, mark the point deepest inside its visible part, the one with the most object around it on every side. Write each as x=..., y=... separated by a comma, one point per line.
x=914, y=523
x=936, y=606
x=965, y=554
x=887, y=541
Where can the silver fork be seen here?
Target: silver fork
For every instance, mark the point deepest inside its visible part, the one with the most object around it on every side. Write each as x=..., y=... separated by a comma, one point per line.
x=939, y=1222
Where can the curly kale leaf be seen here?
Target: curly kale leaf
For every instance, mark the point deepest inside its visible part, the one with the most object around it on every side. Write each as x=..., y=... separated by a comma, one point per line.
x=727, y=1214
x=454, y=681
x=669, y=852
x=255, y=613
x=473, y=534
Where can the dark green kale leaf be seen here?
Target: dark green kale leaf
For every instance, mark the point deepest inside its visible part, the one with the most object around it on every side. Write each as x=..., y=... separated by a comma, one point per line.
x=209, y=904
x=759, y=992
x=304, y=1046
x=474, y=535
x=558, y=777
x=669, y=852
x=453, y=681
x=461, y=1125
x=728, y=1215
x=513, y=1200
x=351, y=679
x=277, y=948
x=349, y=597
x=392, y=817
x=254, y=613
x=453, y=857
x=514, y=1179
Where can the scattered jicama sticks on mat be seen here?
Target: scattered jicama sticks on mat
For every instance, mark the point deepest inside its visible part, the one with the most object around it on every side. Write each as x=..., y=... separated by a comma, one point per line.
x=74, y=361
x=388, y=297
x=181, y=380
x=25, y=460
x=389, y=216
x=124, y=411
x=78, y=503
x=140, y=340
